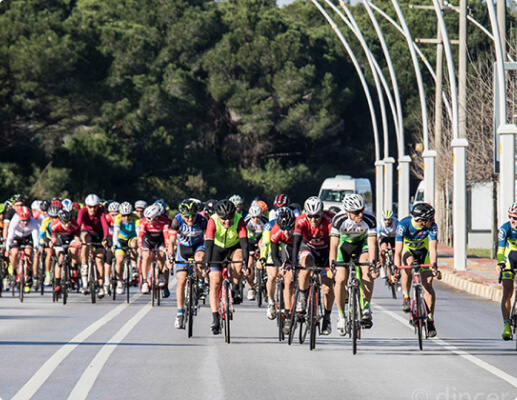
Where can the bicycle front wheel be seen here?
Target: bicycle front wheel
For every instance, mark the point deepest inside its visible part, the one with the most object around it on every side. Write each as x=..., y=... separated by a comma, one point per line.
x=418, y=318
x=313, y=313
x=92, y=280
x=227, y=316
x=189, y=307
x=280, y=310
x=65, y=279
x=355, y=316
x=258, y=286
x=22, y=280
x=293, y=318
x=41, y=272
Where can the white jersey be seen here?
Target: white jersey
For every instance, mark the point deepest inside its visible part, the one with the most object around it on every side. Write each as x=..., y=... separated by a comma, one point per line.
x=272, y=213
x=350, y=231
x=17, y=230
x=388, y=231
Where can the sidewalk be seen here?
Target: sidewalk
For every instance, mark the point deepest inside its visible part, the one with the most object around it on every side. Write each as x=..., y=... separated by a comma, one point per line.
x=480, y=278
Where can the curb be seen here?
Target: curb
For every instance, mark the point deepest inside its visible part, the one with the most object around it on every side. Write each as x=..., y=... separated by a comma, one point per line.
x=478, y=289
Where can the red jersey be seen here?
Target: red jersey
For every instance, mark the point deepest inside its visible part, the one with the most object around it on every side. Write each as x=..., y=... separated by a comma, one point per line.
x=158, y=227
x=277, y=236
x=94, y=224
x=70, y=229
x=316, y=237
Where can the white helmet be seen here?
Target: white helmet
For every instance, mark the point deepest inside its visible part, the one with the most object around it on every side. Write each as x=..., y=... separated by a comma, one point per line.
x=125, y=208
x=113, y=206
x=153, y=211
x=236, y=199
x=353, y=202
x=313, y=206
x=255, y=211
x=67, y=204
x=92, y=200
x=36, y=205
x=141, y=204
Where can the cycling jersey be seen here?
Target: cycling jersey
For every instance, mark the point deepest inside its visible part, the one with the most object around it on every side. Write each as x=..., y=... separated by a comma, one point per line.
x=156, y=231
x=277, y=238
x=123, y=229
x=45, y=230
x=255, y=229
x=17, y=230
x=188, y=235
x=226, y=237
x=388, y=231
x=315, y=237
x=413, y=237
x=111, y=222
x=95, y=224
x=266, y=241
x=58, y=229
x=507, y=249
x=353, y=232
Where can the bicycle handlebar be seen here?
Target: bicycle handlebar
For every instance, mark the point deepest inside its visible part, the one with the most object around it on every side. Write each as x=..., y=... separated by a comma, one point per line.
x=415, y=266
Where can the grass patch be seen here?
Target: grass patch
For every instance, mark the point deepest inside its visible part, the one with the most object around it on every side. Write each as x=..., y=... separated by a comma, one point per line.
x=483, y=253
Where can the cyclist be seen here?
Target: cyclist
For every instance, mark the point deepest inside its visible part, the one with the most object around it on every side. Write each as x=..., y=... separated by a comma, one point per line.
x=43, y=207
x=186, y=241
x=311, y=247
x=125, y=227
x=387, y=232
x=507, y=261
x=45, y=235
x=65, y=231
x=353, y=235
x=255, y=223
x=140, y=206
x=226, y=238
x=282, y=200
x=13, y=205
x=238, y=201
x=417, y=240
x=23, y=231
x=209, y=209
x=94, y=228
x=153, y=234
x=281, y=250
x=113, y=211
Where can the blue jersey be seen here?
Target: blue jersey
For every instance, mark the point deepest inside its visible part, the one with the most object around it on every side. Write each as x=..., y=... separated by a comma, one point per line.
x=188, y=235
x=507, y=241
x=414, y=237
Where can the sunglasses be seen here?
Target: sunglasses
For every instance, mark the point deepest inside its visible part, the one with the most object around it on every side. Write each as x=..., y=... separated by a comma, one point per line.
x=315, y=216
x=188, y=216
x=357, y=212
x=229, y=218
x=289, y=228
x=425, y=221
x=66, y=222
x=513, y=218
x=25, y=220
x=126, y=215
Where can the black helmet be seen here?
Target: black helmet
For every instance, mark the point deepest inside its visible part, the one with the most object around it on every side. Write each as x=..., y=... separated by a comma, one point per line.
x=188, y=207
x=210, y=206
x=64, y=216
x=225, y=208
x=282, y=200
x=422, y=211
x=285, y=218
x=44, y=205
x=53, y=211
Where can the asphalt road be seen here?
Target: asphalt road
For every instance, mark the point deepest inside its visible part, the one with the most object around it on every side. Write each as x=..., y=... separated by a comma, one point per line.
x=118, y=351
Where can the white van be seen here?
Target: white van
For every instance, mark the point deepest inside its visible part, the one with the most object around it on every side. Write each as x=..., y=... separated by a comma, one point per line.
x=333, y=190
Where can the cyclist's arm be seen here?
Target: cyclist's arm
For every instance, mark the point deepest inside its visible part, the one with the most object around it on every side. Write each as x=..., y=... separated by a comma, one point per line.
x=297, y=241
x=34, y=232
x=274, y=254
x=105, y=227
x=243, y=239
x=433, y=251
x=116, y=232
x=209, y=240
x=501, y=244
x=333, y=248
x=372, y=247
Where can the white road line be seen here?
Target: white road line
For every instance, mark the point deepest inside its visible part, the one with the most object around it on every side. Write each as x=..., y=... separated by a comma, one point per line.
x=84, y=385
x=474, y=360
x=89, y=376
x=39, y=378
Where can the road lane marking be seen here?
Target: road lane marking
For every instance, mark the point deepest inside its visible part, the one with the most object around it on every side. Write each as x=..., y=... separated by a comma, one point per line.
x=453, y=349
x=87, y=380
x=39, y=378
x=92, y=371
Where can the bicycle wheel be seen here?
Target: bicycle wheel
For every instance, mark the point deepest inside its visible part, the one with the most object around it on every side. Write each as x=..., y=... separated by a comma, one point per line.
x=127, y=269
x=227, y=316
x=92, y=268
x=22, y=279
x=65, y=279
x=293, y=317
x=2, y=275
x=151, y=288
x=157, y=285
x=280, y=309
x=53, y=279
x=258, y=286
x=41, y=272
x=313, y=317
x=513, y=318
x=418, y=318
x=190, y=306
x=354, y=314
x=113, y=280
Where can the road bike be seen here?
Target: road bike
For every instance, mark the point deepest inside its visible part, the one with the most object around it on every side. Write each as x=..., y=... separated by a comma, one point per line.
x=418, y=314
x=260, y=281
x=314, y=305
x=153, y=279
x=390, y=272
x=355, y=304
x=93, y=281
x=191, y=296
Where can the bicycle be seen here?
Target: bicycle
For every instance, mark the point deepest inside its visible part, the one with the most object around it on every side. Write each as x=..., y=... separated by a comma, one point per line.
x=153, y=279
x=390, y=272
x=281, y=314
x=354, y=307
x=260, y=281
x=296, y=317
x=191, y=295
x=92, y=270
x=20, y=273
x=65, y=273
x=513, y=312
x=418, y=313
x=314, y=305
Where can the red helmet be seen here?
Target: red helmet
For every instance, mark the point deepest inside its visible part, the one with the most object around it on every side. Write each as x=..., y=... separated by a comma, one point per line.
x=56, y=203
x=76, y=206
x=24, y=213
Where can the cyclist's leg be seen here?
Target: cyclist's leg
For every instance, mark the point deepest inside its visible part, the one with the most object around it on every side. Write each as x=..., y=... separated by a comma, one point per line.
x=288, y=289
x=85, y=238
x=507, y=278
x=99, y=261
x=306, y=260
x=182, y=253
x=120, y=254
x=216, y=280
x=272, y=274
x=382, y=247
x=366, y=279
x=406, y=274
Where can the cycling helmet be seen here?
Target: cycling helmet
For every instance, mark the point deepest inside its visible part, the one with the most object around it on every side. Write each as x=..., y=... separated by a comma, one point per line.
x=210, y=206
x=2, y=208
x=76, y=206
x=56, y=198
x=153, y=211
x=141, y=204
x=388, y=215
x=353, y=202
x=56, y=203
x=92, y=200
x=16, y=198
x=285, y=218
x=225, y=208
x=35, y=205
x=24, y=213
x=313, y=206
x=255, y=211
x=113, y=206
x=236, y=199
x=512, y=211
x=67, y=204
x=282, y=200
x=295, y=206
x=53, y=211
x=44, y=205
x=126, y=208
x=422, y=211
x=64, y=215
x=189, y=207
x=262, y=205
x=160, y=207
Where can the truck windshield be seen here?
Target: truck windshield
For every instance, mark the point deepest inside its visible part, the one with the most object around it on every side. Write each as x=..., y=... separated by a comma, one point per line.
x=334, y=195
